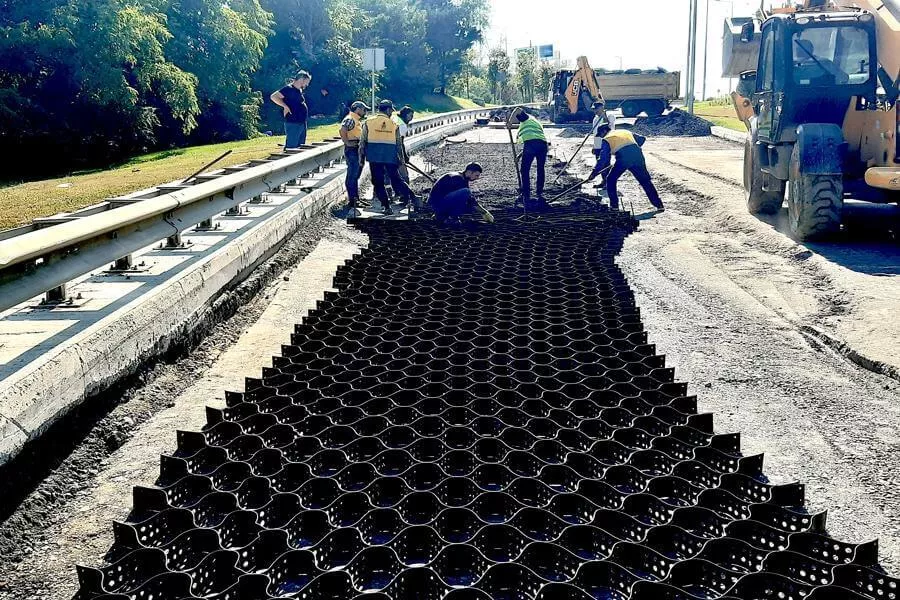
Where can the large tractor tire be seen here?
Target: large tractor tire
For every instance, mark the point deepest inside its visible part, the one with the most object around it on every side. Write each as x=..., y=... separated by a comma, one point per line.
x=759, y=201
x=814, y=204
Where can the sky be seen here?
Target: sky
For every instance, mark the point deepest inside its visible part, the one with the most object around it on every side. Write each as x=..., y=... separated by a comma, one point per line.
x=644, y=33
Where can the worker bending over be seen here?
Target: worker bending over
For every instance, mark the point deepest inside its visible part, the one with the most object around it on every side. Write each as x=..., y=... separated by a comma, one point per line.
x=381, y=145
x=534, y=148
x=601, y=118
x=626, y=147
x=351, y=133
x=451, y=198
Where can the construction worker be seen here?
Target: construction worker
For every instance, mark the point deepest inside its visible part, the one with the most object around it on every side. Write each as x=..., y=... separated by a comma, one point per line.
x=351, y=132
x=534, y=148
x=626, y=147
x=380, y=144
x=403, y=118
x=451, y=198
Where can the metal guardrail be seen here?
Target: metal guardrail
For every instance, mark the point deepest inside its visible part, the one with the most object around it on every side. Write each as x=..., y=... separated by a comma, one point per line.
x=47, y=254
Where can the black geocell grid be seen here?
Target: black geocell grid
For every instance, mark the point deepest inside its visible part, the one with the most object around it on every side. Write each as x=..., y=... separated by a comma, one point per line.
x=475, y=414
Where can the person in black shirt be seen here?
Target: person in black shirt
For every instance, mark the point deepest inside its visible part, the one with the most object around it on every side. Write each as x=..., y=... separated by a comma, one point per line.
x=296, y=113
x=450, y=197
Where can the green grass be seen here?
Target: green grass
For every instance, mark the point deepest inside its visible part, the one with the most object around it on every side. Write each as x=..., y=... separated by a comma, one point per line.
x=20, y=203
x=721, y=113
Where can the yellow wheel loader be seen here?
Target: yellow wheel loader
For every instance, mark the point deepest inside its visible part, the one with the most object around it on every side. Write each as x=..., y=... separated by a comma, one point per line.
x=821, y=109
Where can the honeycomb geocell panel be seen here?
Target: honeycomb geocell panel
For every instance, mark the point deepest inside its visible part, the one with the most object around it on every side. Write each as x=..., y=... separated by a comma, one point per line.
x=476, y=414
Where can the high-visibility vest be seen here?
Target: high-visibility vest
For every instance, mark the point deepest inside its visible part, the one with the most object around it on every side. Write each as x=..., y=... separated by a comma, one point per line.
x=620, y=138
x=355, y=133
x=381, y=140
x=531, y=129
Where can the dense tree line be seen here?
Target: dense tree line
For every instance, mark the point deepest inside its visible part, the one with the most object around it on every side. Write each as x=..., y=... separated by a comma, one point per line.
x=86, y=83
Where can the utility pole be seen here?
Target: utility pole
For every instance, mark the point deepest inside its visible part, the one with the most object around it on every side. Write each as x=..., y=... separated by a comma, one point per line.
x=692, y=56
x=705, y=50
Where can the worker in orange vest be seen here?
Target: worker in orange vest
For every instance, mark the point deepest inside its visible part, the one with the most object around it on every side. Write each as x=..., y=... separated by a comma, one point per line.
x=381, y=146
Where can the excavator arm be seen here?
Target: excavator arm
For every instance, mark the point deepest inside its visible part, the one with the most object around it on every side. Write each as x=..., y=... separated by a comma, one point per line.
x=584, y=80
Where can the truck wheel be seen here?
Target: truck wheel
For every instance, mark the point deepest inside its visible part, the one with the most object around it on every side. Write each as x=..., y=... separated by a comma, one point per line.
x=630, y=109
x=814, y=205
x=759, y=201
x=654, y=108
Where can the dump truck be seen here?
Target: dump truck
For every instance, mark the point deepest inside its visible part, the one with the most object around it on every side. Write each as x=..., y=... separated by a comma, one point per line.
x=821, y=109
x=633, y=90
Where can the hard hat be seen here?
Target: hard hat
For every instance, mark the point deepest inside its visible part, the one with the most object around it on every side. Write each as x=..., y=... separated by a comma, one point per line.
x=359, y=104
x=385, y=105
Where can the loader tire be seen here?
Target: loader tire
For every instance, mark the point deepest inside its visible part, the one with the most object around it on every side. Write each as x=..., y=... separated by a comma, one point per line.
x=814, y=205
x=759, y=201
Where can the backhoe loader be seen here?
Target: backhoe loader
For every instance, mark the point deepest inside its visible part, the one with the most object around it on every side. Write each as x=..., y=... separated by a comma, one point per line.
x=573, y=92
x=821, y=110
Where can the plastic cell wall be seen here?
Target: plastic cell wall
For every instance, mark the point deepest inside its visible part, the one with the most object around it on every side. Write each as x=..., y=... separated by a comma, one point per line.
x=475, y=414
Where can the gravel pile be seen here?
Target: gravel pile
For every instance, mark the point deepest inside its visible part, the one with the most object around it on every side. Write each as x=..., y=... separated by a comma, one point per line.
x=675, y=124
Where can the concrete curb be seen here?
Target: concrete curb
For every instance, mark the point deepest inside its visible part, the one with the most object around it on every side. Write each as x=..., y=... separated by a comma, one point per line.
x=116, y=347
x=729, y=134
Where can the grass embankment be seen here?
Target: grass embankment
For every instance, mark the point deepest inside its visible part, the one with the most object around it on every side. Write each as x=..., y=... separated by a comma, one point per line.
x=20, y=203
x=721, y=113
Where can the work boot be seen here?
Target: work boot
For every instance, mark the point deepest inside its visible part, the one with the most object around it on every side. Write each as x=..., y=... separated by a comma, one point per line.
x=387, y=210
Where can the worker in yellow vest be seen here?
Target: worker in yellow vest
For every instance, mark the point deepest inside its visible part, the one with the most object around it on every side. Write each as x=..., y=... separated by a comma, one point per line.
x=351, y=133
x=380, y=144
x=626, y=147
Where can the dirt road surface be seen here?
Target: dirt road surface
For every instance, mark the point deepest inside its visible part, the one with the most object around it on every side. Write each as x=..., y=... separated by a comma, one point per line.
x=743, y=312
x=738, y=307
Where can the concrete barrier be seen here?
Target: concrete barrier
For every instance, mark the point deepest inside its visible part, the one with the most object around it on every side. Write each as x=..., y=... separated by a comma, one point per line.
x=729, y=134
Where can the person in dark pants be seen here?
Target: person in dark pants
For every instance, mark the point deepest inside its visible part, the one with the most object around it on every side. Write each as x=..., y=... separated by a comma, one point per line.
x=296, y=113
x=534, y=148
x=351, y=133
x=626, y=147
x=380, y=145
x=451, y=198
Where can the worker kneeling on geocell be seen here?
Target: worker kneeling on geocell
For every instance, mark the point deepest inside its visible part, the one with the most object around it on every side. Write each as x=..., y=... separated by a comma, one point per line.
x=451, y=198
x=626, y=147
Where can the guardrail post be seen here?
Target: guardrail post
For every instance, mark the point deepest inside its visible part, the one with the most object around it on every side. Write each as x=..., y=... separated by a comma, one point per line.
x=57, y=294
x=123, y=264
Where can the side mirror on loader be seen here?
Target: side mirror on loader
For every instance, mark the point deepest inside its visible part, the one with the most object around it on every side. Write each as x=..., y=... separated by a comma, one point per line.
x=748, y=30
x=746, y=86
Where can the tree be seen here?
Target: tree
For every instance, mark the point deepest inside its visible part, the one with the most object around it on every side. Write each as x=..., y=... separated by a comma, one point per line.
x=89, y=81
x=544, y=78
x=526, y=65
x=222, y=44
x=452, y=27
x=497, y=71
x=315, y=35
x=399, y=27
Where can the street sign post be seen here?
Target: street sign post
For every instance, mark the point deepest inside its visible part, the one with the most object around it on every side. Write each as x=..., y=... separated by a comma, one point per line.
x=373, y=60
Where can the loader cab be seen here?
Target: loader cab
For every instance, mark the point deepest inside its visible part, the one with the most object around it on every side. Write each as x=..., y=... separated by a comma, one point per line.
x=811, y=66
